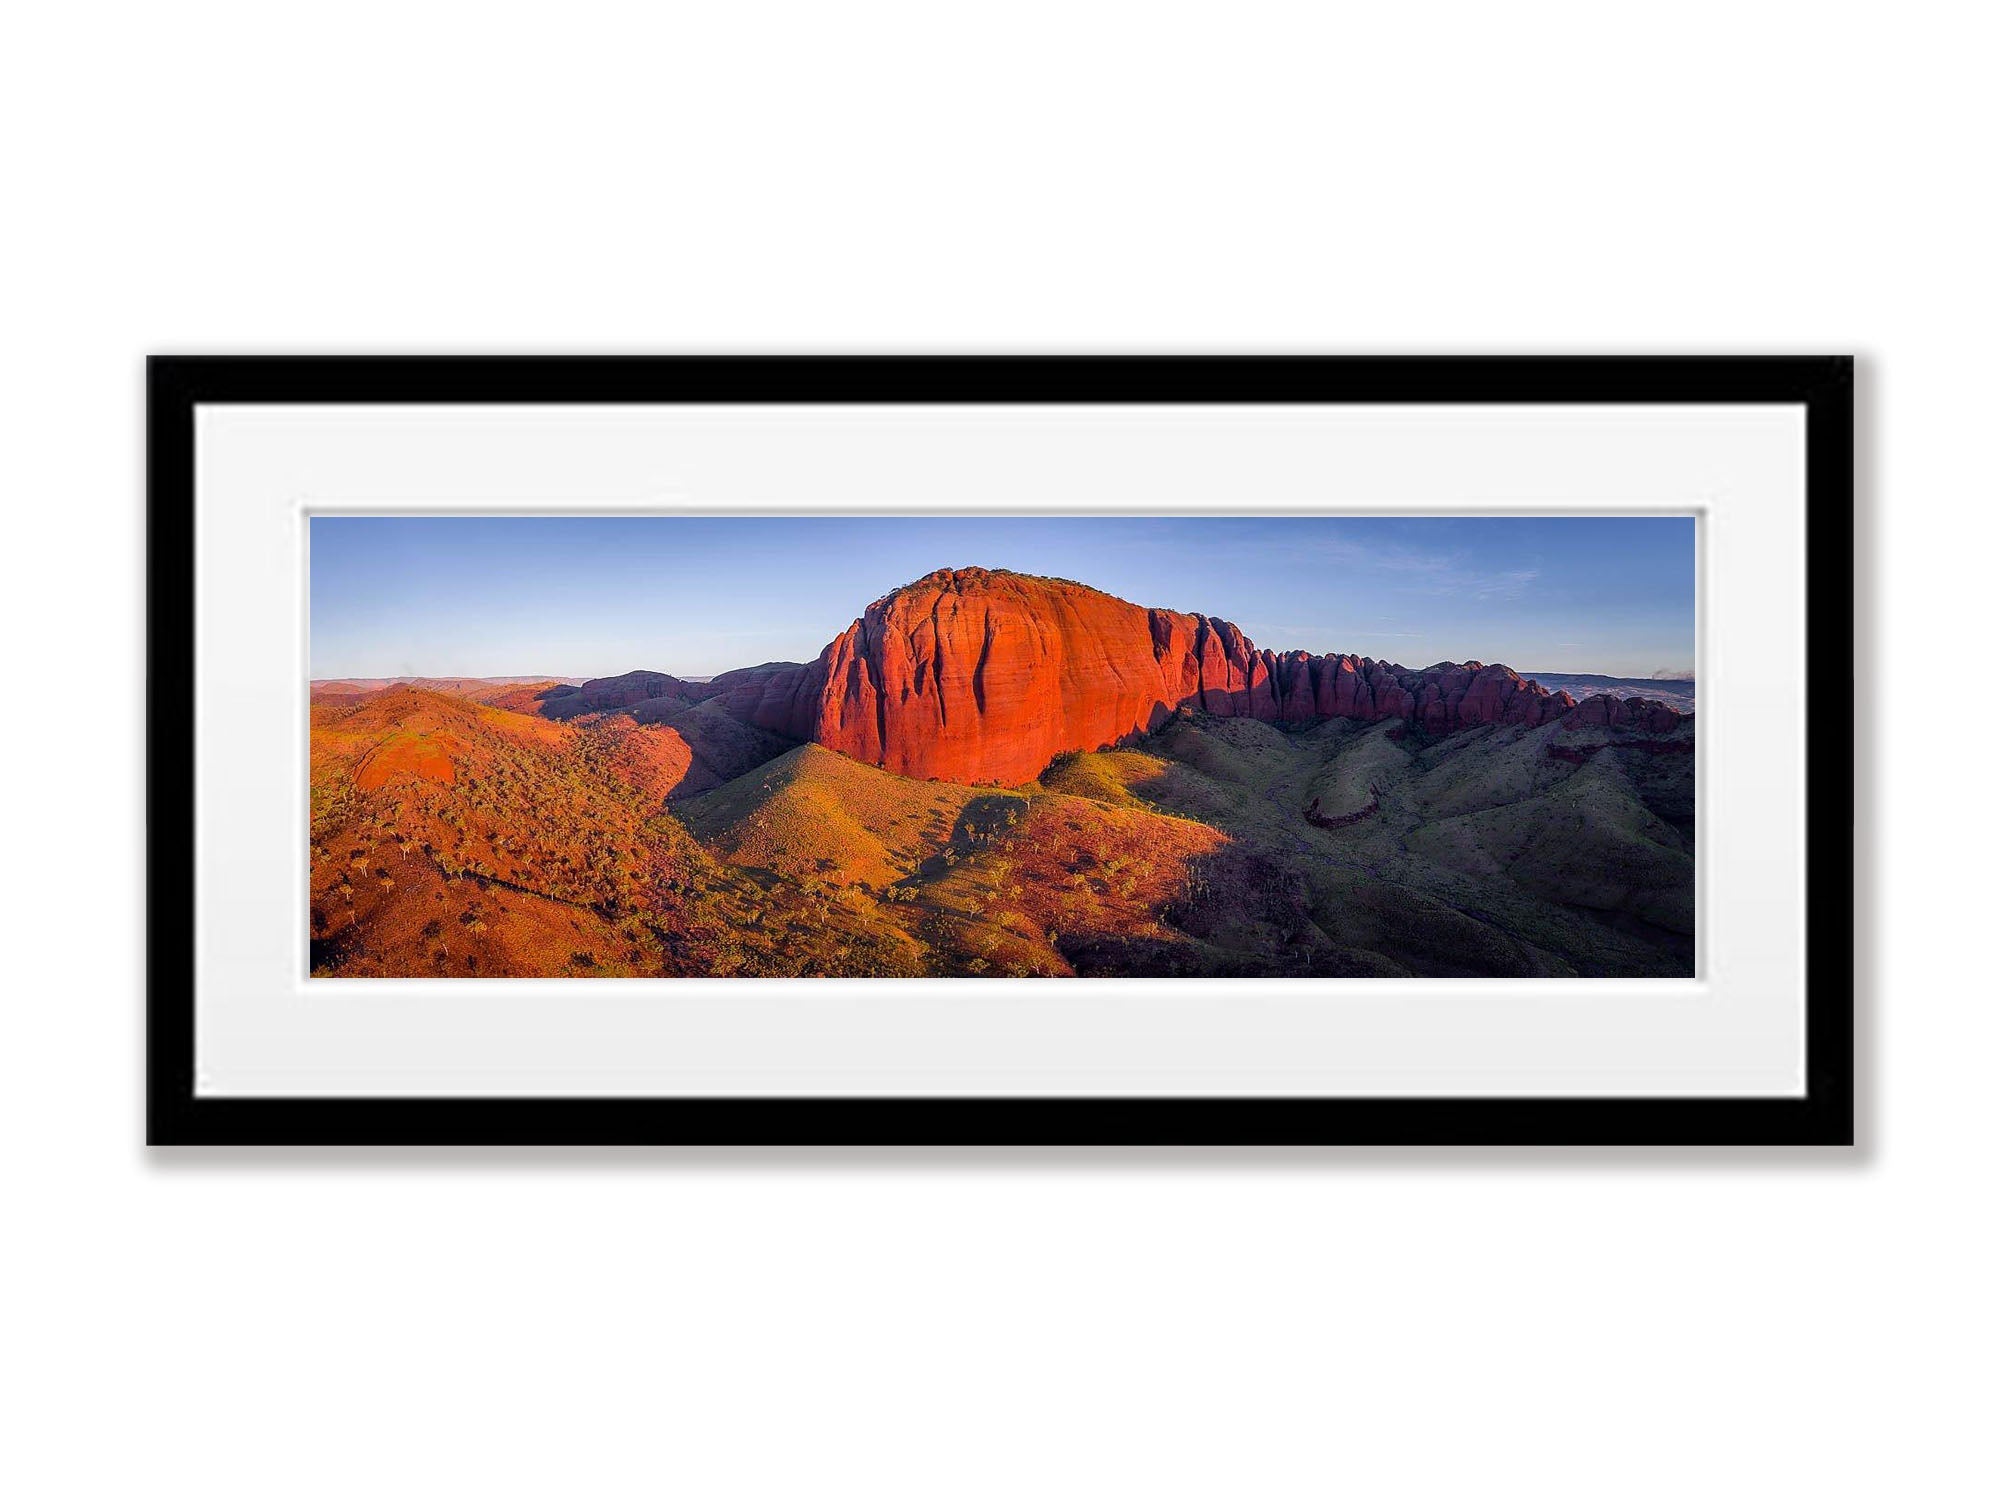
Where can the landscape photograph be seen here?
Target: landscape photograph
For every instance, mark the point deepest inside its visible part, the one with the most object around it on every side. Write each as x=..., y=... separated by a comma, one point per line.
x=1001, y=746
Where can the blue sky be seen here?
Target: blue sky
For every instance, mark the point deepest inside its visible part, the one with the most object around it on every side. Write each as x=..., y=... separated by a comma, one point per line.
x=592, y=596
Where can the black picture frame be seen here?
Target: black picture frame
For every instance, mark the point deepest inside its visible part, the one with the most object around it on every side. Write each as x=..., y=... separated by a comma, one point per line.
x=1823, y=1115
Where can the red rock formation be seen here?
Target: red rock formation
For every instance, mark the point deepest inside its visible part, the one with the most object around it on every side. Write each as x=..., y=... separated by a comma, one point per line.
x=974, y=676
x=968, y=675
x=603, y=693
x=780, y=695
x=1603, y=710
x=606, y=694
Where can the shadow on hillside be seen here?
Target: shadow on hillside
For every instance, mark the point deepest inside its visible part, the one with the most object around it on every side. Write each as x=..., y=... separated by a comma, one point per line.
x=560, y=701
x=985, y=819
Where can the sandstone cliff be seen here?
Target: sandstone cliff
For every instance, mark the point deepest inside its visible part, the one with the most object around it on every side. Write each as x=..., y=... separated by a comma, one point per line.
x=969, y=675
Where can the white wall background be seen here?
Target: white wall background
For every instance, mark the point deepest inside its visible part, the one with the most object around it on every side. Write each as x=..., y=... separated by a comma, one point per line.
x=1527, y=177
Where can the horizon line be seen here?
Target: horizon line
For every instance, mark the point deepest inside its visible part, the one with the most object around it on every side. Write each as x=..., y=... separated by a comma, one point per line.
x=528, y=677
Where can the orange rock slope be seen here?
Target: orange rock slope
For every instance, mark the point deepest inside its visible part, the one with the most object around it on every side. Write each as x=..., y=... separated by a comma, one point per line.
x=968, y=675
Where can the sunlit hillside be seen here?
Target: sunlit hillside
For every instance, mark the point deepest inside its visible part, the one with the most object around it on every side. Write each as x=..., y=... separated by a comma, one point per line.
x=453, y=837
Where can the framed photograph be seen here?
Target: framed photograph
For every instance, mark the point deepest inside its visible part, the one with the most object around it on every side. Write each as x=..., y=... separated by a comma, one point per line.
x=1001, y=751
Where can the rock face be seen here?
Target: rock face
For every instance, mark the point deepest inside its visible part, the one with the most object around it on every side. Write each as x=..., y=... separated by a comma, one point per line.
x=634, y=687
x=1612, y=712
x=602, y=694
x=969, y=676
x=782, y=696
x=974, y=676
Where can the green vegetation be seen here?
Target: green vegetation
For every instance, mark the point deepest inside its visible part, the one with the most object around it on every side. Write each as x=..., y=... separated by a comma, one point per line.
x=451, y=837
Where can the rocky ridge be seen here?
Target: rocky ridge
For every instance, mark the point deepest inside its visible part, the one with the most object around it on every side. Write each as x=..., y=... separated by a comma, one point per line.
x=974, y=675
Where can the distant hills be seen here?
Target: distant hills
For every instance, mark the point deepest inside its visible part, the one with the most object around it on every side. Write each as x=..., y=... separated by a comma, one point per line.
x=464, y=686
x=1676, y=692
